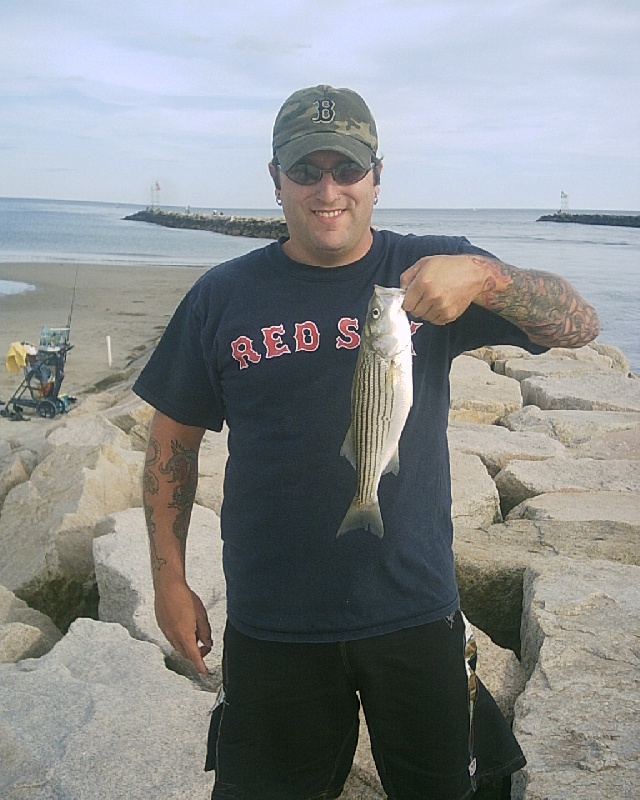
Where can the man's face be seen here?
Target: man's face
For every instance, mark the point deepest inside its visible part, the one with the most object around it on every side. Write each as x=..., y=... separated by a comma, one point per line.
x=329, y=224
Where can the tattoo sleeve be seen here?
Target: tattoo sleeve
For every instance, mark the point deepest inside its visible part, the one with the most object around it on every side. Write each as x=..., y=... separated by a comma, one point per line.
x=545, y=306
x=150, y=488
x=178, y=472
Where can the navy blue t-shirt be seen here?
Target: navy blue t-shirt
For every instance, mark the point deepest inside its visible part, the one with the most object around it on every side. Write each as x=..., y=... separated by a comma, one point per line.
x=268, y=346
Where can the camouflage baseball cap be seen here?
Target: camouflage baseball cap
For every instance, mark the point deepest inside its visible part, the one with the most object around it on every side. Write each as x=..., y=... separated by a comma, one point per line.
x=324, y=118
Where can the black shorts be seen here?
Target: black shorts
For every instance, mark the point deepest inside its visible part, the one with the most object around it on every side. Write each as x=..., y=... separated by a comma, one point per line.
x=286, y=722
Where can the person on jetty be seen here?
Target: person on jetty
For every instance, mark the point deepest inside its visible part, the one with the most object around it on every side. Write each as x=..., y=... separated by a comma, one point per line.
x=319, y=624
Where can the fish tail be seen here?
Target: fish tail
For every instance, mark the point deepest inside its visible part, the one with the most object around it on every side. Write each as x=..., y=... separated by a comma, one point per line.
x=363, y=515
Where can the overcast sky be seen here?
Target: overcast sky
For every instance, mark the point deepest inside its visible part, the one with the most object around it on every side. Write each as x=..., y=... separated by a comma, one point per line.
x=479, y=103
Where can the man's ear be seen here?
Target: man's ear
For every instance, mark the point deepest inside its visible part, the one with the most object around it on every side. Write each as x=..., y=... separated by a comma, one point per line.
x=275, y=174
x=377, y=169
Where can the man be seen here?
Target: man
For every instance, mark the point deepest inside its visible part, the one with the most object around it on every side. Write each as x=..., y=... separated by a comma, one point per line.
x=318, y=624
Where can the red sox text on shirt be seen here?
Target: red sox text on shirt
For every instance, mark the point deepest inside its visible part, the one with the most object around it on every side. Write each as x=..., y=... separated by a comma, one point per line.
x=306, y=337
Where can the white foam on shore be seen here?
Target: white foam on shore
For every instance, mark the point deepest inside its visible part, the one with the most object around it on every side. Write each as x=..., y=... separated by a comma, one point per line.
x=15, y=287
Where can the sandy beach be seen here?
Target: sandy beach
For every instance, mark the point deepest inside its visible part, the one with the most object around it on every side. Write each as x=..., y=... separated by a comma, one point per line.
x=130, y=304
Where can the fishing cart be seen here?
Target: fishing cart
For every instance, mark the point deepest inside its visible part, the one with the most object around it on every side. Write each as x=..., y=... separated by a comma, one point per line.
x=43, y=370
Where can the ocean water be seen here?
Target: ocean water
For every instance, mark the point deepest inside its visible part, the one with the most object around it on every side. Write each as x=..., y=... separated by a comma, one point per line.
x=603, y=263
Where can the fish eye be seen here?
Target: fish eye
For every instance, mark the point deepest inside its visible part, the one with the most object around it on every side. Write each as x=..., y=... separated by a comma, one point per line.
x=375, y=312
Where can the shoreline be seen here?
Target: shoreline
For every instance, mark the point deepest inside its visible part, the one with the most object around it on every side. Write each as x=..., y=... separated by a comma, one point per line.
x=130, y=304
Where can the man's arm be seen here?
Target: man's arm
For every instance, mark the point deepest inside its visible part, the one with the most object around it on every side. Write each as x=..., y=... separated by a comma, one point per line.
x=169, y=488
x=545, y=306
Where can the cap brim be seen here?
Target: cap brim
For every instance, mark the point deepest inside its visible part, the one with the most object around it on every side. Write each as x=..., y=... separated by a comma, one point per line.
x=293, y=151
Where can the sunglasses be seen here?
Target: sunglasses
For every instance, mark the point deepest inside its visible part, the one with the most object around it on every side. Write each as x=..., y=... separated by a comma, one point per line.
x=344, y=174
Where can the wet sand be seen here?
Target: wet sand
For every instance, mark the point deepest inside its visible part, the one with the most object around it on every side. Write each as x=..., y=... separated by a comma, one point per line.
x=130, y=304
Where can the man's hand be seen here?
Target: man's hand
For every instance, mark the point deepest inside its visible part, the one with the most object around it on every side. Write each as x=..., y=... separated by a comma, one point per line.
x=183, y=619
x=441, y=288
x=543, y=305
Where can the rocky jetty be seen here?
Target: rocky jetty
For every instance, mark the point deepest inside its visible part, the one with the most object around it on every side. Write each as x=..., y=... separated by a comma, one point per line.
x=253, y=227
x=545, y=461
x=622, y=220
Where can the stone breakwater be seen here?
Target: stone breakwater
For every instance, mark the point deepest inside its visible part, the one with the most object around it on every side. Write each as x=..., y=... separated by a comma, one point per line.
x=545, y=450
x=253, y=227
x=629, y=221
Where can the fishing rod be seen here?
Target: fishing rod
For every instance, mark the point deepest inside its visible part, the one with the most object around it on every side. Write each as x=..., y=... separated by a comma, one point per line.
x=73, y=299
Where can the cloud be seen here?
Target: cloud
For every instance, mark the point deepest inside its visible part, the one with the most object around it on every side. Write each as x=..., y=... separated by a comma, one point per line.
x=488, y=104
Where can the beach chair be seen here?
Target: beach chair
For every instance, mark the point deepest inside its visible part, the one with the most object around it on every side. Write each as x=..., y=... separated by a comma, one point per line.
x=43, y=373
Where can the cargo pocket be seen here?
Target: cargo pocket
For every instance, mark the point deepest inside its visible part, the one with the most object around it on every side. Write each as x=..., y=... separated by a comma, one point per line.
x=211, y=761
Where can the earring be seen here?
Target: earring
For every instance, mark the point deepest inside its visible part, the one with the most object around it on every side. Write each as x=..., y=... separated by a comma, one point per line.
x=278, y=199
x=375, y=200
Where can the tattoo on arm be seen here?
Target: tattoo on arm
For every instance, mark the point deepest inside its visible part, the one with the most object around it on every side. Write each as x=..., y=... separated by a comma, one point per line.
x=150, y=487
x=181, y=469
x=545, y=306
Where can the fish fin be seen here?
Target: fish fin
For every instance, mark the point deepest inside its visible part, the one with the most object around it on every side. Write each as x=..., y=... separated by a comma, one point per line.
x=347, y=449
x=363, y=515
x=394, y=463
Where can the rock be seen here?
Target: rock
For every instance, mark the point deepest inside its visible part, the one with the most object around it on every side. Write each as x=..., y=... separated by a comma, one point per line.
x=129, y=413
x=618, y=359
x=24, y=632
x=123, y=575
x=610, y=445
x=25, y=438
x=501, y=673
x=363, y=782
x=475, y=501
x=490, y=582
x=576, y=723
x=211, y=466
x=598, y=355
x=550, y=366
x=593, y=391
x=255, y=227
x=478, y=394
x=133, y=416
x=520, y=480
x=496, y=445
x=101, y=717
x=490, y=564
x=606, y=506
x=94, y=404
x=47, y=524
x=86, y=431
x=15, y=468
x=498, y=354
x=570, y=427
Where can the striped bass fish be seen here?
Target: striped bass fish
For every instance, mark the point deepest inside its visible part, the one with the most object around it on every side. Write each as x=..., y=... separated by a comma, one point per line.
x=381, y=397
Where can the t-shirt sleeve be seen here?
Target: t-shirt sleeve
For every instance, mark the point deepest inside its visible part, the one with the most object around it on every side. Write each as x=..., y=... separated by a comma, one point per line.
x=180, y=378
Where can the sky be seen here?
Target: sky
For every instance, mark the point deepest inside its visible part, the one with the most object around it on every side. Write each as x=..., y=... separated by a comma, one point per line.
x=478, y=103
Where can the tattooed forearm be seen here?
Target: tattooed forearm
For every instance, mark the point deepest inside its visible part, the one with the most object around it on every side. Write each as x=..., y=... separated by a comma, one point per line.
x=149, y=478
x=545, y=306
x=182, y=468
x=150, y=486
x=156, y=562
x=179, y=473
